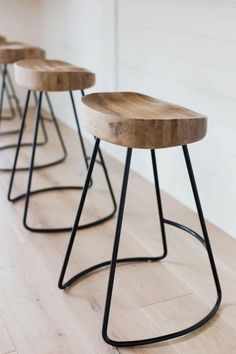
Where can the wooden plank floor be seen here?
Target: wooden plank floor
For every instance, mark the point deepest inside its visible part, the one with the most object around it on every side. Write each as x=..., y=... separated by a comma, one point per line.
x=149, y=299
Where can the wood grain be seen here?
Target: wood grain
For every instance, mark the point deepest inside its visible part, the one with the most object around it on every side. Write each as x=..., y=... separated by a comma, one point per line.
x=52, y=75
x=138, y=121
x=11, y=52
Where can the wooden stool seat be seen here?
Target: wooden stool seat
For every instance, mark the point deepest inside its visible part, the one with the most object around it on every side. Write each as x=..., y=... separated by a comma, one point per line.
x=139, y=121
x=11, y=52
x=2, y=39
x=52, y=75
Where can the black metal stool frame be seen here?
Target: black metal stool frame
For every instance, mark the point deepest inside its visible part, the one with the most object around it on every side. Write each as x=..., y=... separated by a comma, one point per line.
x=11, y=94
x=8, y=87
x=32, y=167
x=39, y=143
x=114, y=260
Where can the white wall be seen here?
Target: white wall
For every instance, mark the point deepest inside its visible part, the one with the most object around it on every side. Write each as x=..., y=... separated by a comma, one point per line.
x=20, y=21
x=183, y=51
x=81, y=32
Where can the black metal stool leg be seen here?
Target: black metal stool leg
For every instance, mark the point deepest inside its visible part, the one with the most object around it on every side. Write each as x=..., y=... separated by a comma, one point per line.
x=9, y=99
x=5, y=77
x=203, y=224
x=108, y=182
x=78, y=128
x=13, y=170
x=77, y=219
x=57, y=188
x=25, y=144
x=34, y=144
x=39, y=143
x=114, y=261
x=116, y=246
x=159, y=202
x=14, y=95
x=4, y=73
x=54, y=119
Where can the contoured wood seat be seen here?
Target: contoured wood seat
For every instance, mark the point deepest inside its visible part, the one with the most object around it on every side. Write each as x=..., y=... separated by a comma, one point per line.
x=52, y=75
x=11, y=52
x=42, y=77
x=138, y=121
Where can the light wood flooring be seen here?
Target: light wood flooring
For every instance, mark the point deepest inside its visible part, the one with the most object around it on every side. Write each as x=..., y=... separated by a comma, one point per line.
x=149, y=299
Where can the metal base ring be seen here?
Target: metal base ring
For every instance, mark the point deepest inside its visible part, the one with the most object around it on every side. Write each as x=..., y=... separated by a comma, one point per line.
x=61, y=229
x=162, y=338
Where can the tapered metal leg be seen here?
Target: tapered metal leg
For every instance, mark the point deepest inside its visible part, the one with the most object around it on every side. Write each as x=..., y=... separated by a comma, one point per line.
x=25, y=144
x=78, y=216
x=116, y=246
x=9, y=98
x=13, y=170
x=203, y=224
x=43, y=128
x=159, y=202
x=79, y=130
x=34, y=143
x=59, y=134
x=3, y=85
x=12, y=95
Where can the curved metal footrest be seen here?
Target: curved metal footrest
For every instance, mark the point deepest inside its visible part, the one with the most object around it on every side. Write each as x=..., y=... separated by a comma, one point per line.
x=105, y=264
x=7, y=117
x=44, y=190
x=13, y=146
x=10, y=132
x=69, y=228
x=36, y=167
x=61, y=229
x=29, y=144
x=204, y=240
x=169, y=336
x=162, y=338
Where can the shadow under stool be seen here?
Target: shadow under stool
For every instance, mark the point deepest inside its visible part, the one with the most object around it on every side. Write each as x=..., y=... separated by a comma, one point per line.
x=136, y=121
x=43, y=76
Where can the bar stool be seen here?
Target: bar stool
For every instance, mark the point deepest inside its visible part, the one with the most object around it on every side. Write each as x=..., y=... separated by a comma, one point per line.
x=8, y=87
x=2, y=41
x=45, y=76
x=11, y=52
x=137, y=121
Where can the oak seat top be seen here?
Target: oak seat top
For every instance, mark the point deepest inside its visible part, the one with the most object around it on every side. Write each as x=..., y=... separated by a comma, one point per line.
x=135, y=120
x=52, y=75
x=11, y=52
